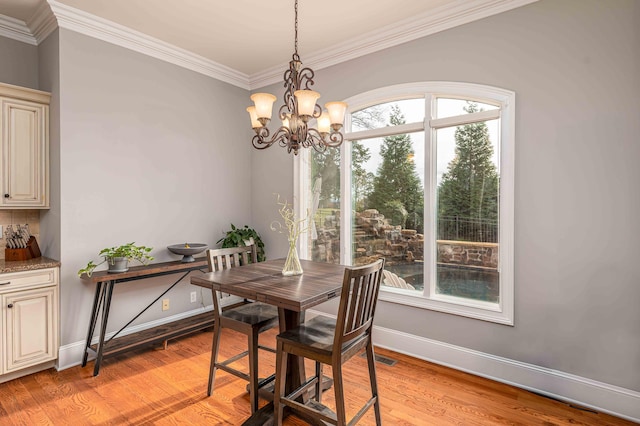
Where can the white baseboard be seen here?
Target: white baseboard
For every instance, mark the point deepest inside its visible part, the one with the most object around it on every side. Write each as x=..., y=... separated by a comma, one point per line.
x=563, y=386
x=566, y=387
x=602, y=397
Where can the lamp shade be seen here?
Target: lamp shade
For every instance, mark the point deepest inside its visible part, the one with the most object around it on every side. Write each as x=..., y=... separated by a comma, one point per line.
x=324, y=123
x=306, y=101
x=264, y=104
x=254, y=117
x=336, y=111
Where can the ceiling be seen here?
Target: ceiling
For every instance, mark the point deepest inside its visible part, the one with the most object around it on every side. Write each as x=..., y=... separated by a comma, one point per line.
x=251, y=37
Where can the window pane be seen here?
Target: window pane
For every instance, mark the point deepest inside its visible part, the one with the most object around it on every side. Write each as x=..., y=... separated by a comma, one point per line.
x=378, y=116
x=325, y=206
x=467, y=210
x=446, y=107
x=388, y=203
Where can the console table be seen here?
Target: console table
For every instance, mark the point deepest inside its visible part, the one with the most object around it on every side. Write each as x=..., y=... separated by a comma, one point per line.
x=105, y=282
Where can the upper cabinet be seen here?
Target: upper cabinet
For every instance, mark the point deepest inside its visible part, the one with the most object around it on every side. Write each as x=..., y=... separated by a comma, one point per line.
x=24, y=148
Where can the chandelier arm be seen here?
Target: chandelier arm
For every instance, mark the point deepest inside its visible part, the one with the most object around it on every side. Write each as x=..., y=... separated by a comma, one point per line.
x=317, y=111
x=316, y=142
x=282, y=112
x=260, y=139
x=335, y=139
x=305, y=78
x=331, y=140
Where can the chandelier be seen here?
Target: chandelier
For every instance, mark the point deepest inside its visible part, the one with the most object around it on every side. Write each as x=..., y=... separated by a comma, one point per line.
x=299, y=109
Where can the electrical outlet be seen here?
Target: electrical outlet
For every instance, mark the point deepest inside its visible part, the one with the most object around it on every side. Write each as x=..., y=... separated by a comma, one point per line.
x=194, y=298
x=165, y=304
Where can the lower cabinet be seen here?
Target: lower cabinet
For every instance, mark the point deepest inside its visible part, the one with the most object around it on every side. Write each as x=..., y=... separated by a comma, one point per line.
x=29, y=321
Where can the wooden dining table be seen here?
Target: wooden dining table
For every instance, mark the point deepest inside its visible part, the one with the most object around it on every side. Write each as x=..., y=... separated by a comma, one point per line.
x=292, y=295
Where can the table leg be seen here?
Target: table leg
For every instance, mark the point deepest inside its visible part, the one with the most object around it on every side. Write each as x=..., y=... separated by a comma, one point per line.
x=107, y=293
x=97, y=301
x=295, y=364
x=295, y=370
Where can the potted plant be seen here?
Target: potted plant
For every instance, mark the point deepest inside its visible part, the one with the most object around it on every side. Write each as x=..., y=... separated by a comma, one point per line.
x=239, y=237
x=118, y=258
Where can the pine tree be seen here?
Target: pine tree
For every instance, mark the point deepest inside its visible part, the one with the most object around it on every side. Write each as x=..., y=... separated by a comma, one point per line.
x=469, y=189
x=327, y=166
x=397, y=190
x=361, y=180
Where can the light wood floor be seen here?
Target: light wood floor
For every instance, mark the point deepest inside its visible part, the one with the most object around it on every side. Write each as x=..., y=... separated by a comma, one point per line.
x=168, y=387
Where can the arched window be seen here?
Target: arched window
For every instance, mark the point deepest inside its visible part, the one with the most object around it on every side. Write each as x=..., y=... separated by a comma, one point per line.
x=424, y=179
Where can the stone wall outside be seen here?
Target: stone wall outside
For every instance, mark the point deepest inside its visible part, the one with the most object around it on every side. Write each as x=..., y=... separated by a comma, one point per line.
x=374, y=237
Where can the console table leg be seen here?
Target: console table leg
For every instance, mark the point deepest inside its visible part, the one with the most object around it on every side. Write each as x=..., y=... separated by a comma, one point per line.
x=97, y=300
x=107, y=293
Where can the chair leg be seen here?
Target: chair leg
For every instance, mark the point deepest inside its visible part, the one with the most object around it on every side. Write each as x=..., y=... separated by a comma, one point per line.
x=253, y=370
x=374, y=382
x=319, y=382
x=214, y=356
x=338, y=388
x=279, y=389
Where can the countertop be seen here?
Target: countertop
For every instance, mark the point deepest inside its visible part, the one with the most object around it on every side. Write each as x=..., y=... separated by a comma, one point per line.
x=27, y=265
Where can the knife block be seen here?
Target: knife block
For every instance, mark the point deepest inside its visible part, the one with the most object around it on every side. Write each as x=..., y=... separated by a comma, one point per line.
x=30, y=252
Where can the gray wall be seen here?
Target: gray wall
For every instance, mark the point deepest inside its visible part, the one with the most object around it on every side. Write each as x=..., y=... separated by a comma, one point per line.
x=49, y=80
x=575, y=68
x=18, y=63
x=151, y=153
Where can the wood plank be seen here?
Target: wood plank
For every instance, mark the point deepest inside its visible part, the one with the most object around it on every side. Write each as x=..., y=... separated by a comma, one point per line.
x=170, y=387
x=143, y=270
x=157, y=334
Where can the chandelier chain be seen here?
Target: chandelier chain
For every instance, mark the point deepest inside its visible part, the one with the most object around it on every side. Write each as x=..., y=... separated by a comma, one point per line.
x=296, y=28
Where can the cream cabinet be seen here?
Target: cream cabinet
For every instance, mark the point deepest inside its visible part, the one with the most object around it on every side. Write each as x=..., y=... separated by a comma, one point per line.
x=24, y=148
x=28, y=321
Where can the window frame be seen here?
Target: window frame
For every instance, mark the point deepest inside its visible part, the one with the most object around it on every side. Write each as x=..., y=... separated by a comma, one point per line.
x=501, y=312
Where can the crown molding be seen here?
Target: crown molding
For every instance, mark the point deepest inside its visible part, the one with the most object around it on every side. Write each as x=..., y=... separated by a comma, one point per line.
x=111, y=32
x=42, y=23
x=16, y=30
x=53, y=14
x=446, y=17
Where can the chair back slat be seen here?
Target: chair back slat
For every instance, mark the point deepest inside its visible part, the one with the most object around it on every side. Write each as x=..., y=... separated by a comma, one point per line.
x=225, y=258
x=358, y=299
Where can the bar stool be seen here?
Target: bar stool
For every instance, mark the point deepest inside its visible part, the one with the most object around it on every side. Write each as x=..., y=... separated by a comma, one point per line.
x=333, y=342
x=251, y=319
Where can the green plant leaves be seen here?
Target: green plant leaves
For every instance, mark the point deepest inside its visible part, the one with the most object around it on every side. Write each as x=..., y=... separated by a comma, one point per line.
x=129, y=250
x=237, y=236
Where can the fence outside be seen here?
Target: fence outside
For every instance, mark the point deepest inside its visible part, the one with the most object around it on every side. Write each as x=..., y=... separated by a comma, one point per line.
x=458, y=228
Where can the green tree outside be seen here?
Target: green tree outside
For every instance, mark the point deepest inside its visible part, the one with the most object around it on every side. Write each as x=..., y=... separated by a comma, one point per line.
x=397, y=189
x=469, y=188
x=361, y=180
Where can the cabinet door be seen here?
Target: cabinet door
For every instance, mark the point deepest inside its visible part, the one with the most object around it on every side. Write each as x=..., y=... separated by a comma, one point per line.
x=25, y=155
x=30, y=327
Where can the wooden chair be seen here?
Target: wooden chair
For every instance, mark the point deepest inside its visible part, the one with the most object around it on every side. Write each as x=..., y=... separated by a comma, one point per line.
x=333, y=342
x=250, y=318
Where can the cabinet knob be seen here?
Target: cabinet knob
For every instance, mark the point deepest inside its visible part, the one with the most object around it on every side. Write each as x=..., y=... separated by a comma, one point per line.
x=6, y=195
x=10, y=305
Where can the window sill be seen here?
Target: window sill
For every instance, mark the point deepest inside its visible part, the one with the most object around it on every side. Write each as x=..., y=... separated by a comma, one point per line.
x=481, y=311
